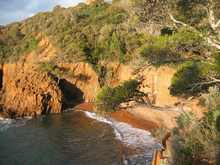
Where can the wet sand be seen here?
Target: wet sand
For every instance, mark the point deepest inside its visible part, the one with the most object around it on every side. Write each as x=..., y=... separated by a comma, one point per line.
x=123, y=116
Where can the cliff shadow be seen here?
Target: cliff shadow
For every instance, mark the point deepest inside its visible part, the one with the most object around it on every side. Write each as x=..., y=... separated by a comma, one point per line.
x=71, y=94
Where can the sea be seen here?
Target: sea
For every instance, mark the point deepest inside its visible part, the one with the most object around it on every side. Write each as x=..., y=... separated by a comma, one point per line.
x=74, y=138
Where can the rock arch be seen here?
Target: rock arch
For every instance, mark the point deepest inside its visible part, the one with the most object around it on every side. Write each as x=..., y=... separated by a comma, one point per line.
x=72, y=95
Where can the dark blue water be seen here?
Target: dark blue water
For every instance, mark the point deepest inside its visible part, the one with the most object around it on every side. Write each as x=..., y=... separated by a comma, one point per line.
x=66, y=139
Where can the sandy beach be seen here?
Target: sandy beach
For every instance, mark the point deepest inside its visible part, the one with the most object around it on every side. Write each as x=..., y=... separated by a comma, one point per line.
x=125, y=116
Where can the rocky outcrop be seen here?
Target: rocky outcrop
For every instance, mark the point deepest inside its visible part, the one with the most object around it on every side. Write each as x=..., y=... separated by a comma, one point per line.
x=82, y=76
x=156, y=82
x=26, y=92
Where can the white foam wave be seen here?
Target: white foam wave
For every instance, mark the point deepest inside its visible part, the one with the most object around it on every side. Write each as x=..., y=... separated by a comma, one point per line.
x=6, y=123
x=95, y=116
x=138, y=139
x=104, y=120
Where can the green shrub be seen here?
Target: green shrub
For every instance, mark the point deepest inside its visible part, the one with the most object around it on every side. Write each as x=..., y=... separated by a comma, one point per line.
x=4, y=51
x=191, y=11
x=109, y=98
x=12, y=51
x=196, y=141
x=75, y=31
x=50, y=67
x=157, y=51
x=185, y=120
x=217, y=63
x=105, y=99
x=184, y=78
x=166, y=31
x=189, y=41
x=173, y=48
x=211, y=99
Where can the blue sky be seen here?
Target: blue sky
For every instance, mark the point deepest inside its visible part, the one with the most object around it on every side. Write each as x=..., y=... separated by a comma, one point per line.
x=16, y=10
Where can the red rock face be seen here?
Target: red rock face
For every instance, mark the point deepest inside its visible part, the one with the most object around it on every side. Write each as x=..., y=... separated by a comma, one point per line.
x=83, y=76
x=26, y=92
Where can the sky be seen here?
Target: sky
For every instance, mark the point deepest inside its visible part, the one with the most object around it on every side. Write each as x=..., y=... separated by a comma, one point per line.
x=17, y=10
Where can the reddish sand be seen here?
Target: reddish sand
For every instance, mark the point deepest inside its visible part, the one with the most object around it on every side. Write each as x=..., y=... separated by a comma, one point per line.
x=123, y=116
x=85, y=107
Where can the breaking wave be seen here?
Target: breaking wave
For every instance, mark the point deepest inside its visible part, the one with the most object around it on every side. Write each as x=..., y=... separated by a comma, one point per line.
x=138, y=139
x=6, y=123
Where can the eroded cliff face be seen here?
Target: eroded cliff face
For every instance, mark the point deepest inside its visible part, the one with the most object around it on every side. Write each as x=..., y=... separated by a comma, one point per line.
x=26, y=92
x=82, y=76
x=154, y=81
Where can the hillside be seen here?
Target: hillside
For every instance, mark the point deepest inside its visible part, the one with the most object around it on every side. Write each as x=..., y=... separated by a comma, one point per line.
x=161, y=53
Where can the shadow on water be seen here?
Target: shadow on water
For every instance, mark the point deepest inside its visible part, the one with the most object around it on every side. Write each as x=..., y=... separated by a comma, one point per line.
x=72, y=95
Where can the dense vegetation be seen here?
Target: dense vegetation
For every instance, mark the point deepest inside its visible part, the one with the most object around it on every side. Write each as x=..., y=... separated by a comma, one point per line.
x=110, y=97
x=13, y=43
x=185, y=77
x=117, y=31
x=198, y=141
x=83, y=33
x=192, y=77
x=178, y=46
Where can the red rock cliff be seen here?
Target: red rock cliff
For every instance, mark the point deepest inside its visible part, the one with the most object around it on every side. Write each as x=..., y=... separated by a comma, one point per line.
x=28, y=92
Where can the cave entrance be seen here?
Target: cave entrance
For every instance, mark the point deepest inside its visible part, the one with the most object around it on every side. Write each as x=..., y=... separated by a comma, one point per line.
x=1, y=79
x=72, y=95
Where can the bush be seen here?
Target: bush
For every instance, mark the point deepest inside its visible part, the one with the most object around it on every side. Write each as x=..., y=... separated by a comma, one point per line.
x=50, y=67
x=217, y=63
x=109, y=98
x=191, y=11
x=12, y=52
x=196, y=141
x=75, y=31
x=173, y=48
x=158, y=51
x=212, y=98
x=185, y=120
x=184, y=78
x=166, y=31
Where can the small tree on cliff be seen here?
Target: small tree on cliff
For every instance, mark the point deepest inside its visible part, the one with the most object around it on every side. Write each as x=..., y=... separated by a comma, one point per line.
x=109, y=98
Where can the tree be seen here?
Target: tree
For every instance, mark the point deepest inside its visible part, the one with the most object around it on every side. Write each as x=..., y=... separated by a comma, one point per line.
x=151, y=10
x=201, y=15
x=184, y=78
x=109, y=98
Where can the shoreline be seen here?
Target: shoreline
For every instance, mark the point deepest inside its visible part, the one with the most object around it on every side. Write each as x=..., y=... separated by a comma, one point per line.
x=123, y=115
